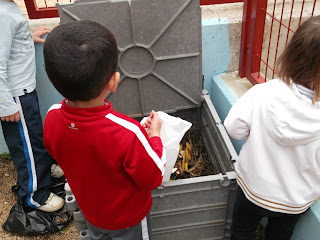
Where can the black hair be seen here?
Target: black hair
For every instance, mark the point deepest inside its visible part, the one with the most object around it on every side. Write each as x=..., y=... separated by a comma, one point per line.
x=80, y=58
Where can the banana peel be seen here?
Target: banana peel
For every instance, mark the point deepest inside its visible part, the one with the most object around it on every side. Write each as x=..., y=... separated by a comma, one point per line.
x=181, y=153
x=186, y=166
x=185, y=155
x=188, y=146
x=188, y=151
x=184, y=161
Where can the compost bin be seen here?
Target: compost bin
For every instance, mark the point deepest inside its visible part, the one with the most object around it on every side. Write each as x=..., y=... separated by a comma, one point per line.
x=159, y=43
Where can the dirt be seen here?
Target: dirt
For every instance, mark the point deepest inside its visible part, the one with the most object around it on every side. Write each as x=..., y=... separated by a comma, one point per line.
x=8, y=178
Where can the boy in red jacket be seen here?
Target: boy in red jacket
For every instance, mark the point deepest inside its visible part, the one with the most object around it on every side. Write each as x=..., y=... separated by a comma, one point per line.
x=110, y=161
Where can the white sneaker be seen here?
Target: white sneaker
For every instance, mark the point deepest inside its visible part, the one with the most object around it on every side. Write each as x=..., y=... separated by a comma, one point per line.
x=53, y=203
x=56, y=171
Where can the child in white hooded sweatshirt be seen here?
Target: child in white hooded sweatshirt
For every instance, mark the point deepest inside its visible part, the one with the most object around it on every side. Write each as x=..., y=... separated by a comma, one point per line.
x=279, y=165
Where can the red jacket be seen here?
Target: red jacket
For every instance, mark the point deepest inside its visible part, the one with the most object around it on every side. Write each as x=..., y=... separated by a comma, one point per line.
x=110, y=163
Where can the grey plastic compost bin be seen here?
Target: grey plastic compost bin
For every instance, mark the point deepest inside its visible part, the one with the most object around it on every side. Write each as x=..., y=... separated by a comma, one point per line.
x=159, y=43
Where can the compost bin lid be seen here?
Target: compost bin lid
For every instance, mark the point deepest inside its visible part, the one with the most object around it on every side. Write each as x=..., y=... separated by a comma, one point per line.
x=159, y=43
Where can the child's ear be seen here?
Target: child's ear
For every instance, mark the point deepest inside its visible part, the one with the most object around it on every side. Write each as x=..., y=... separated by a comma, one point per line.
x=114, y=82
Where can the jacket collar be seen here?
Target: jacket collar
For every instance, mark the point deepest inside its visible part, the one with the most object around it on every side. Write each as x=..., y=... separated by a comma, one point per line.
x=85, y=114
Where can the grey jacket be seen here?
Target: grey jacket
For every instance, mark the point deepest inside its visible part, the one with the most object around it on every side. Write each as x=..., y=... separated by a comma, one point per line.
x=17, y=57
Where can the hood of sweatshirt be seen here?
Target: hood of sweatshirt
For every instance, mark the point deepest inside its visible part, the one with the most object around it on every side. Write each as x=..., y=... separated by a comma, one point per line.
x=289, y=117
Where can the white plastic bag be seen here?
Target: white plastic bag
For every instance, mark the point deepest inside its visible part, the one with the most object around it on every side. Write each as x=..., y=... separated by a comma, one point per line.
x=171, y=133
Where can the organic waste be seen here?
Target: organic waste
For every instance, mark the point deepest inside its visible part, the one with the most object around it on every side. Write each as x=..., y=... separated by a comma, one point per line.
x=193, y=159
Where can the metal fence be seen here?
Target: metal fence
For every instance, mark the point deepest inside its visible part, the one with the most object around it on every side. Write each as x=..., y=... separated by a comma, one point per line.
x=266, y=29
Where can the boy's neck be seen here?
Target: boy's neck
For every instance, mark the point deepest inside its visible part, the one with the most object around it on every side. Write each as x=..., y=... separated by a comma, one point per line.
x=97, y=102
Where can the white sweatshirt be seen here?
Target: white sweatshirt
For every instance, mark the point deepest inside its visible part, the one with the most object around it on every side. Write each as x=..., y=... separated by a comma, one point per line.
x=279, y=165
x=17, y=57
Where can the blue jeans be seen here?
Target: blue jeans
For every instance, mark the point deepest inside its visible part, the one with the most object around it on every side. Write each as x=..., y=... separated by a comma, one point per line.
x=246, y=217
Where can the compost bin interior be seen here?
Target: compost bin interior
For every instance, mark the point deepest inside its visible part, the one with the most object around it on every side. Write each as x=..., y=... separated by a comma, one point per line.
x=203, y=124
x=193, y=158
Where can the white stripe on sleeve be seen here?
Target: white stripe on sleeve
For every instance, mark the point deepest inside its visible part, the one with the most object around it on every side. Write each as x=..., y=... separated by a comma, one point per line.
x=135, y=129
x=55, y=106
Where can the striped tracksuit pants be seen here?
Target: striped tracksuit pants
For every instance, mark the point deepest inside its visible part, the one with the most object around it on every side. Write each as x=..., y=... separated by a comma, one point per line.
x=141, y=231
x=31, y=160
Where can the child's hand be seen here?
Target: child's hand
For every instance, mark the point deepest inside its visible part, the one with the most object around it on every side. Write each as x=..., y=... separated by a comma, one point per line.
x=153, y=125
x=11, y=118
x=38, y=32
